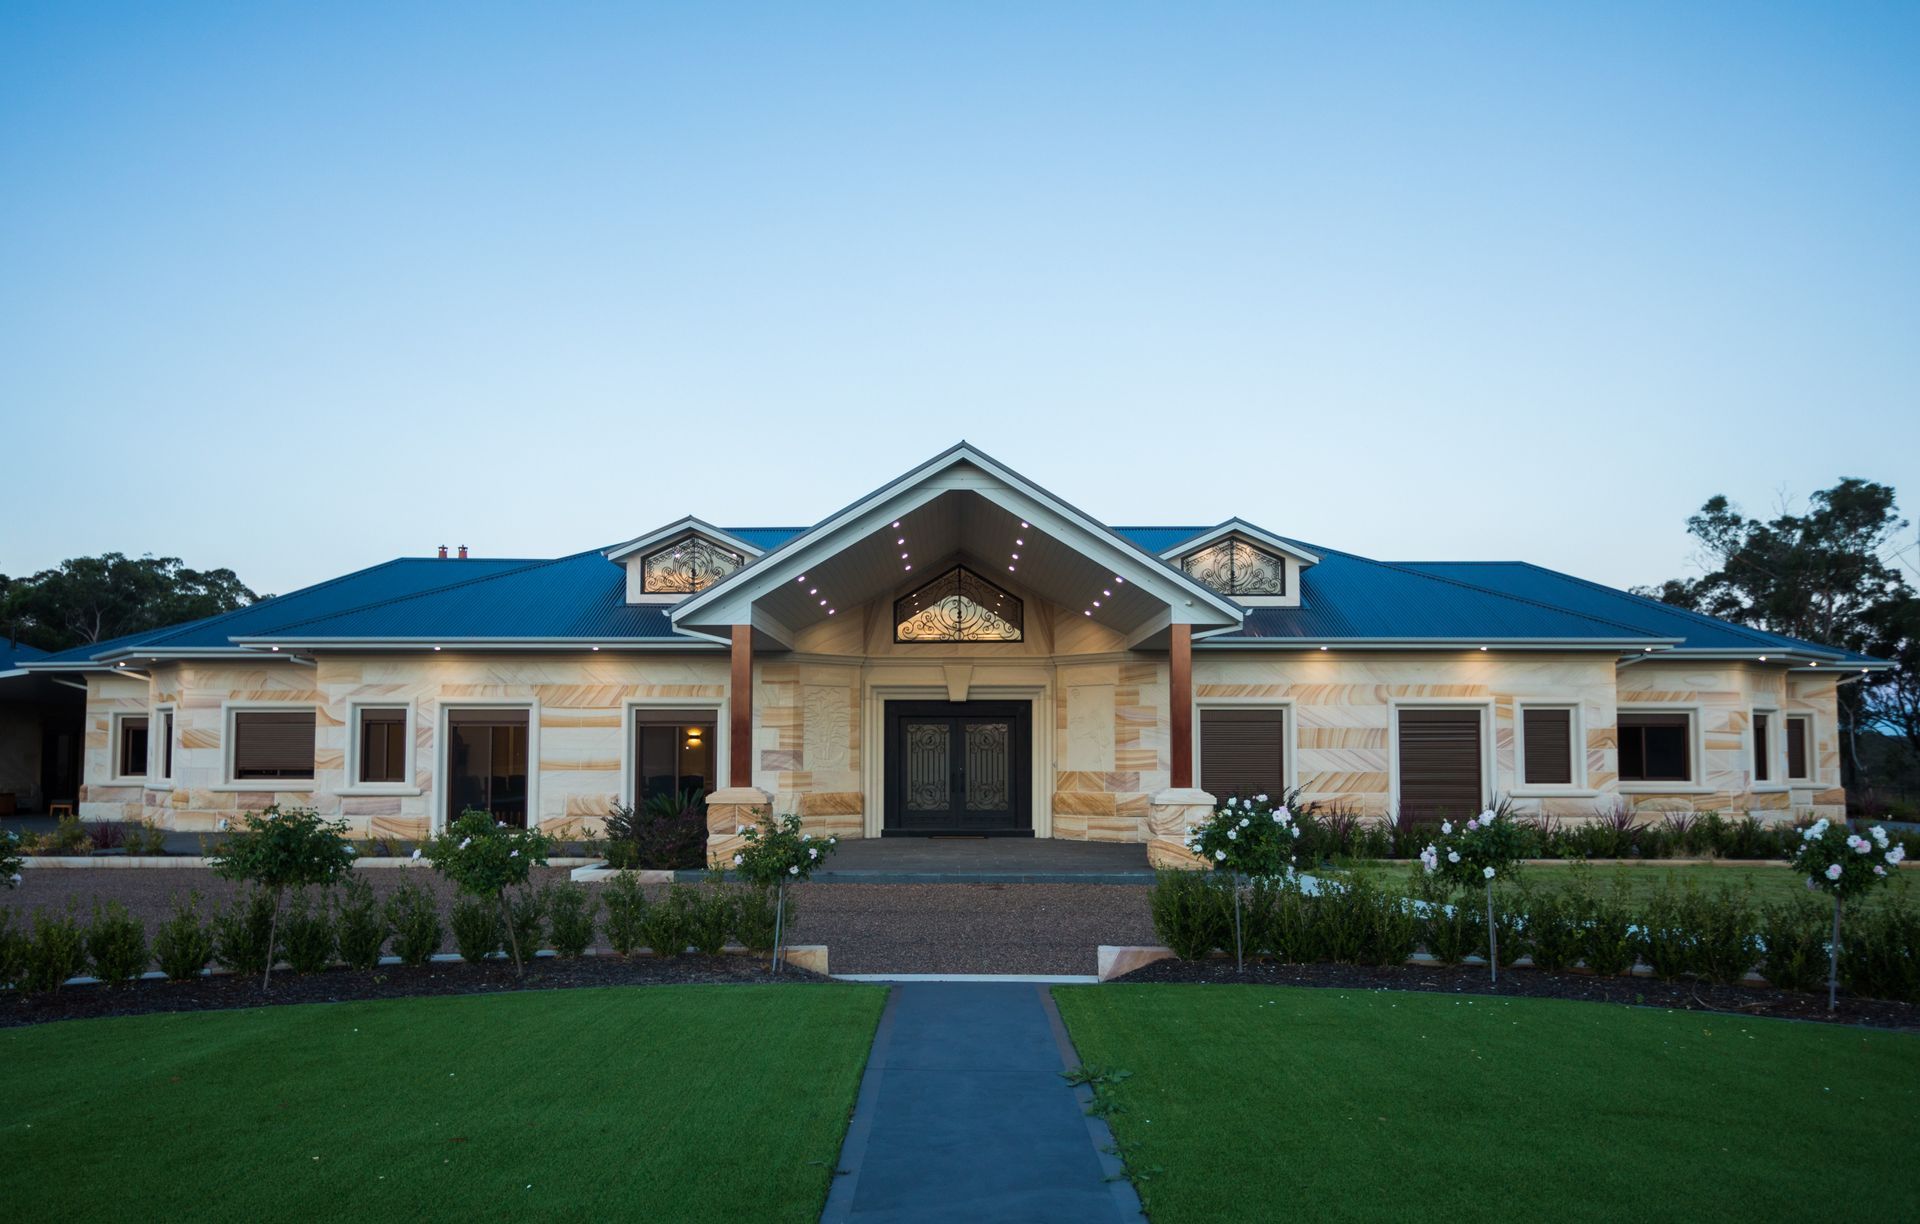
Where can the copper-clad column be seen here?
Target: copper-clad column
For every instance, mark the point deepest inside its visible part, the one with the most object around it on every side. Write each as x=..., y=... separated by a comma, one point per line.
x=740, y=764
x=1180, y=703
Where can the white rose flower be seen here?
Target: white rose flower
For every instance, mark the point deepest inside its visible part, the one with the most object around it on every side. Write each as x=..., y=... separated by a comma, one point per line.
x=1220, y=856
x=1487, y=872
x=1233, y=835
x=1296, y=830
x=1879, y=870
x=1260, y=798
x=466, y=843
x=416, y=856
x=1880, y=836
x=1446, y=827
x=739, y=859
x=514, y=854
x=1244, y=822
x=813, y=854
x=1232, y=802
x=1833, y=872
x=1897, y=855
x=741, y=829
x=793, y=871
x=1453, y=856
x=1283, y=813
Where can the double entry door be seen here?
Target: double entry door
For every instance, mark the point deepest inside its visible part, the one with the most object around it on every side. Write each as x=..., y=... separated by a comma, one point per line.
x=959, y=767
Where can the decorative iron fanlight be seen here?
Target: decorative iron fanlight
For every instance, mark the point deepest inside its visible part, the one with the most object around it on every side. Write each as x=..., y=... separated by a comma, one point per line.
x=1234, y=567
x=691, y=563
x=958, y=606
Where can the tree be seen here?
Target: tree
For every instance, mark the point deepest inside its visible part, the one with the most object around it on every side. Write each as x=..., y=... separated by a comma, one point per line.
x=91, y=599
x=1829, y=575
x=484, y=858
x=278, y=850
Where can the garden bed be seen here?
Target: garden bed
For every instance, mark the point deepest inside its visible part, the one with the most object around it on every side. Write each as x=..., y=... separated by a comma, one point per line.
x=217, y=992
x=1534, y=983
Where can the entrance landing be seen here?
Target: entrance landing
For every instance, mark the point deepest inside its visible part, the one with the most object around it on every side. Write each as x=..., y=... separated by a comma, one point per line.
x=985, y=860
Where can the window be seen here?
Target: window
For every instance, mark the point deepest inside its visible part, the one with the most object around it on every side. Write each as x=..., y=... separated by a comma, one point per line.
x=1799, y=731
x=691, y=563
x=1546, y=737
x=383, y=745
x=269, y=744
x=1243, y=753
x=673, y=753
x=958, y=606
x=130, y=760
x=1234, y=567
x=1439, y=763
x=1762, y=747
x=166, y=744
x=1656, y=747
x=487, y=763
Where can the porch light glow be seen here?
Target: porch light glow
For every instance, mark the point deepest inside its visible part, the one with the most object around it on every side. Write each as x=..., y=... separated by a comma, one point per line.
x=1089, y=613
x=1023, y=524
x=1096, y=603
x=1117, y=580
x=823, y=603
x=801, y=578
x=901, y=540
x=1020, y=543
x=1763, y=658
x=903, y=556
x=276, y=650
x=896, y=522
x=1108, y=594
x=1016, y=556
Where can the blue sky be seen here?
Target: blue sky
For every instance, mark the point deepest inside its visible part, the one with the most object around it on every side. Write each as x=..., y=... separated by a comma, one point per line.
x=297, y=290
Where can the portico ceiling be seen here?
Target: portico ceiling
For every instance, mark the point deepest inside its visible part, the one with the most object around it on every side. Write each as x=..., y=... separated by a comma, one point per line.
x=966, y=510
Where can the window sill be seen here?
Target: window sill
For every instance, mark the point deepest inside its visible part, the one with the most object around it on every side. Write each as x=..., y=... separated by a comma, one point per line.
x=379, y=789
x=256, y=785
x=1542, y=790
x=1664, y=788
x=165, y=784
x=128, y=780
x=1768, y=788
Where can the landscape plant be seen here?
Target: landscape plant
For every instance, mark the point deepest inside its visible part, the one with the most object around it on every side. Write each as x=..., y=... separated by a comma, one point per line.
x=570, y=914
x=116, y=944
x=626, y=913
x=475, y=922
x=56, y=952
x=667, y=832
x=1793, y=943
x=183, y=944
x=413, y=914
x=1882, y=955
x=360, y=924
x=1485, y=848
x=279, y=849
x=242, y=929
x=1245, y=838
x=711, y=919
x=1608, y=922
x=527, y=916
x=778, y=852
x=13, y=948
x=666, y=924
x=753, y=917
x=10, y=859
x=484, y=858
x=1844, y=865
x=309, y=937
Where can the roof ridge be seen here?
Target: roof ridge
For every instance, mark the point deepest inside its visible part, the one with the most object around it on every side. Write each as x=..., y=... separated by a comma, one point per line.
x=167, y=631
x=439, y=590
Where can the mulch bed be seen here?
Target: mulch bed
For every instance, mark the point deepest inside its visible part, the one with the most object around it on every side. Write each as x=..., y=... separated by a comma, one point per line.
x=1536, y=984
x=146, y=997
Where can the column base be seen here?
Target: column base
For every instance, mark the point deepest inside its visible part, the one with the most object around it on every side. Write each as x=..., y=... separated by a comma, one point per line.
x=1170, y=813
x=728, y=810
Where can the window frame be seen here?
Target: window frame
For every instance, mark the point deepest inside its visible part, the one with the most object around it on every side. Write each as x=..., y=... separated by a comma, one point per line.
x=408, y=784
x=1696, y=736
x=443, y=743
x=116, y=746
x=1776, y=754
x=168, y=720
x=1184, y=561
x=229, y=740
x=1489, y=760
x=1578, y=787
x=1812, y=776
x=1289, y=736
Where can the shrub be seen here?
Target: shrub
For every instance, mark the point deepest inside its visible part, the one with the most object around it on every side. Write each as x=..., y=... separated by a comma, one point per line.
x=570, y=911
x=527, y=912
x=667, y=832
x=360, y=924
x=183, y=944
x=710, y=920
x=1609, y=945
x=1793, y=937
x=666, y=924
x=1359, y=923
x=56, y=952
x=484, y=858
x=1555, y=926
x=1844, y=865
x=68, y=836
x=1473, y=855
x=10, y=860
x=1881, y=958
x=1282, y=921
x=278, y=850
x=309, y=936
x=1452, y=924
x=1724, y=925
x=116, y=943
x=243, y=931
x=777, y=853
x=13, y=949
x=1246, y=837
x=413, y=913
x=753, y=917
x=1666, y=936
x=626, y=914
x=476, y=928
x=1192, y=912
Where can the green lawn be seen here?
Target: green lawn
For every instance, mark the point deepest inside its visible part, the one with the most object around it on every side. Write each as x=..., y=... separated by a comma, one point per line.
x=1250, y=1103
x=1644, y=879
x=683, y=1103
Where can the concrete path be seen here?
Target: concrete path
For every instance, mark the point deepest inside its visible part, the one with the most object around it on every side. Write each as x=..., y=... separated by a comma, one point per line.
x=963, y=1115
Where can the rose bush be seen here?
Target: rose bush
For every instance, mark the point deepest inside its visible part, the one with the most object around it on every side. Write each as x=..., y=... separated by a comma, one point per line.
x=1245, y=838
x=779, y=852
x=1474, y=854
x=1844, y=865
x=484, y=857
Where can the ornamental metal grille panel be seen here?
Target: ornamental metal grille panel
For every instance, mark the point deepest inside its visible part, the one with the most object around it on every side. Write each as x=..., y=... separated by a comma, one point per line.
x=691, y=563
x=1235, y=567
x=958, y=606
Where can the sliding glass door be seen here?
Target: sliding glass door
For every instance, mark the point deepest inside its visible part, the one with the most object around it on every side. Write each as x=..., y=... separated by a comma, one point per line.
x=487, y=763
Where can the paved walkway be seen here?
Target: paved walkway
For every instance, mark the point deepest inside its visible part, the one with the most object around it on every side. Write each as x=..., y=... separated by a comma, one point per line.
x=963, y=1115
x=985, y=860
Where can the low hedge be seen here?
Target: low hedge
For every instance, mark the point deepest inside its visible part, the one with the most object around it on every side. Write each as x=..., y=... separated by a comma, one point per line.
x=1684, y=931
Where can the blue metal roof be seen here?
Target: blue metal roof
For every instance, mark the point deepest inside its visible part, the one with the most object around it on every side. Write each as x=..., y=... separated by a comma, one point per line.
x=766, y=539
x=1157, y=540
x=14, y=653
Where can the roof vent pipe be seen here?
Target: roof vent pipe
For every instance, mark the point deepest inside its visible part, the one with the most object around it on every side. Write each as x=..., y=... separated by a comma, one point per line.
x=443, y=552
x=463, y=552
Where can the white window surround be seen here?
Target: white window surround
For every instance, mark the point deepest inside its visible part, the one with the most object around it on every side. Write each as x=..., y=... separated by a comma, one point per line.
x=157, y=735
x=722, y=729
x=442, y=737
x=260, y=785
x=353, y=785
x=1776, y=752
x=1812, y=776
x=1577, y=737
x=1489, y=765
x=113, y=747
x=1696, y=738
x=1289, y=731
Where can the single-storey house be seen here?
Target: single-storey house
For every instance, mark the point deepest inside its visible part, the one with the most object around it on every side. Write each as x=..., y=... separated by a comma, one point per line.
x=957, y=652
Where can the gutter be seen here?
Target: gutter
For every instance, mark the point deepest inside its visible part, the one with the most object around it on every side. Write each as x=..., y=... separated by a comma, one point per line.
x=1556, y=644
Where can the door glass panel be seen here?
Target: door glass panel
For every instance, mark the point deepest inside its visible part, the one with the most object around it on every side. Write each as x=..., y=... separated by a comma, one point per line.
x=929, y=765
x=986, y=776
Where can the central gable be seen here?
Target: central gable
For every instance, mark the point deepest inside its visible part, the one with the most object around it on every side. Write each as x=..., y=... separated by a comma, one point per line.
x=961, y=504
